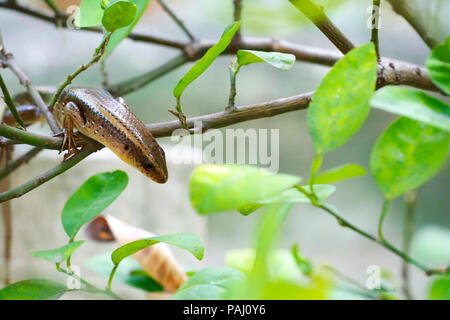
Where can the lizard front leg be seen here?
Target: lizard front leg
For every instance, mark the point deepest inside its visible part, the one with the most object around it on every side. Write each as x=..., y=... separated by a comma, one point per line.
x=72, y=119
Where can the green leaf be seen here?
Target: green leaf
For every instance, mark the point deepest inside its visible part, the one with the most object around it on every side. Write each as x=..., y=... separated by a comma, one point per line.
x=33, y=289
x=281, y=264
x=282, y=61
x=129, y=272
x=209, y=57
x=216, y=188
x=94, y=196
x=187, y=241
x=211, y=283
x=60, y=254
x=406, y=155
x=119, y=15
x=439, y=66
x=431, y=244
x=413, y=104
x=122, y=33
x=322, y=191
x=340, y=173
x=91, y=14
x=440, y=289
x=340, y=104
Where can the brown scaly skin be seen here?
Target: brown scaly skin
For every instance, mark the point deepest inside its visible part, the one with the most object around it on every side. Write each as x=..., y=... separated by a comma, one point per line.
x=96, y=114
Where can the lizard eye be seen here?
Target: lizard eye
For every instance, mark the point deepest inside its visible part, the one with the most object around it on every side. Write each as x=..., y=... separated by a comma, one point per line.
x=126, y=147
x=149, y=166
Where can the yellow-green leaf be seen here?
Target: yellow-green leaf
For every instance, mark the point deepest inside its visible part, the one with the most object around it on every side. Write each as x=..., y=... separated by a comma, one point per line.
x=217, y=188
x=406, y=155
x=413, y=104
x=340, y=104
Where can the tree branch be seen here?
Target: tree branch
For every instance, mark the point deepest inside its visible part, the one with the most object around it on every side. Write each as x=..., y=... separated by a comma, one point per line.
x=411, y=14
x=7, y=60
x=395, y=71
x=237, y=16
x=318, y=17
x=391, y=71
x=46, y=176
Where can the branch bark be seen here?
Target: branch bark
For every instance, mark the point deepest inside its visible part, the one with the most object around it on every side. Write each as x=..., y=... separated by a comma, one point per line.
x=7, y=60
x=328, y=28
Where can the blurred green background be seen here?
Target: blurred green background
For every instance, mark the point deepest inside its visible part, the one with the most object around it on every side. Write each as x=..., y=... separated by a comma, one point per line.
x=48, y=54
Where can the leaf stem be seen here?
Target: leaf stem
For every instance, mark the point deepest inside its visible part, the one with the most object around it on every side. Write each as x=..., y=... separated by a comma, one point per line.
x=111, y=275
x=89, y=286
x=233, y=69
x=384, y=211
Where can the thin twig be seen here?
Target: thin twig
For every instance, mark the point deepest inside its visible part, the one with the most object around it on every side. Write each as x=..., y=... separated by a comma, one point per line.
x=315, y=13
x=391, y=71
x=134, y=84
x=24, y=159
x=177, y=20
x=412, y=15
x=332, y=211
x=10, y=103
x=46, y=176
x=410, y=199
x=8, y=61
x=375, y=26
x=63, y=23
x=97, y=55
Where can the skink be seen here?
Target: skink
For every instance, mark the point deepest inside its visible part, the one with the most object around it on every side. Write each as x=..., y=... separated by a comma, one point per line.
x=99, y=116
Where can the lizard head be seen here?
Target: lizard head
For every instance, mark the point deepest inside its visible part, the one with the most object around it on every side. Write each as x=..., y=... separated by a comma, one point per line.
x=153, y=164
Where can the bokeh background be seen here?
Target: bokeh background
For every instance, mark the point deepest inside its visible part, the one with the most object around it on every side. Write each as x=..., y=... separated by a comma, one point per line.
x=48, y=54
